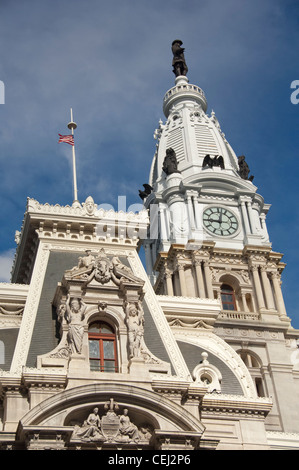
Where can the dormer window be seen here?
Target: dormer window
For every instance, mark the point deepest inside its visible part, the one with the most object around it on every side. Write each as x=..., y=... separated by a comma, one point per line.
x=228, y=297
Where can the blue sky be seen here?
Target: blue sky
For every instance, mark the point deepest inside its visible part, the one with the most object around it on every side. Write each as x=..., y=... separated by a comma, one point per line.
x=111, y=62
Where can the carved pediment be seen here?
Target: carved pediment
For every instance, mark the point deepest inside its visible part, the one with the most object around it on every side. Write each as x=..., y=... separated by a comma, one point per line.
x=101, y=269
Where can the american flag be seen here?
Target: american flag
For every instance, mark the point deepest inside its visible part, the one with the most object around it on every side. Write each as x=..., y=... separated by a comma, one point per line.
x=68, y=139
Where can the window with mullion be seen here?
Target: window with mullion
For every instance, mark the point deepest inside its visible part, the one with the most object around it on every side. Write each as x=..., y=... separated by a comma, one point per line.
x=228, y=297
x=102, y=351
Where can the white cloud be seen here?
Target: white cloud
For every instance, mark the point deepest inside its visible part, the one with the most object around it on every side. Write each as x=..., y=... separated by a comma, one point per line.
x=6, y=260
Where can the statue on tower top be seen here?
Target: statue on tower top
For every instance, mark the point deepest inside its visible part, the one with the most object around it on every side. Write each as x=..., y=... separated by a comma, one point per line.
x=178, y=62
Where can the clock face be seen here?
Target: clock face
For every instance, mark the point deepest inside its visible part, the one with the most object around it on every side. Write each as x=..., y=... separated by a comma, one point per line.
x=220, y=221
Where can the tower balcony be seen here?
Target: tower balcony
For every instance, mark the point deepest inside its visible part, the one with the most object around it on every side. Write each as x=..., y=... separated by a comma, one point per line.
x=183, y=91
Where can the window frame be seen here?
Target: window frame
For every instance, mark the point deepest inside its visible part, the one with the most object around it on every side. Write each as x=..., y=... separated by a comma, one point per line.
x=226, y=289
x=101, y=337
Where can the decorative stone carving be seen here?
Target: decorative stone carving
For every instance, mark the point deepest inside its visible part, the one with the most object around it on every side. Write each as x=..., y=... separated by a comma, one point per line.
x=135, y=324
x=75, y=310
x=91, y=428
x=11, y=310
x=112, y=427
x=89, y=206
x=207, y=375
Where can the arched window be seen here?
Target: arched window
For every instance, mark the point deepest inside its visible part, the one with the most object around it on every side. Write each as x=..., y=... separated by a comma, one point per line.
x=254, y=367
x=102, y=347
x=228, y=297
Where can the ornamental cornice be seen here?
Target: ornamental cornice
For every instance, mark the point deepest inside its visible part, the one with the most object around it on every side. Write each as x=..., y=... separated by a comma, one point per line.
x=236, y=405
x=34, y=207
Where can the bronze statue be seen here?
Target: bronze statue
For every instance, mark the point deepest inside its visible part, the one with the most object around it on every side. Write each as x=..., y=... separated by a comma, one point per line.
x=178, y=62
x=210, y=161
x=244, y=169
x=170, y=164
x=147, y=191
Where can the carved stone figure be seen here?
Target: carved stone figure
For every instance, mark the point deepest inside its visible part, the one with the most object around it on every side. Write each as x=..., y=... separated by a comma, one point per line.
x=244, y=169
x=135, y=324
x=126, y=428
x=75, y=312
x=102, y=269
x=89, y=206
x=178, y=61
x=210, y=162
x=112, y=427
x=170, y=164
x=91, y=428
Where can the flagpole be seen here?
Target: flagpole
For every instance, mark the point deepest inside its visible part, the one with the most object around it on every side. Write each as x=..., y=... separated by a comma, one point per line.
x=72, y=125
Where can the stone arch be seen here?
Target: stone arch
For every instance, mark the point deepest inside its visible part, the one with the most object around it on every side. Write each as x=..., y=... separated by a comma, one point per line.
x=213, y=344
x=56, y=410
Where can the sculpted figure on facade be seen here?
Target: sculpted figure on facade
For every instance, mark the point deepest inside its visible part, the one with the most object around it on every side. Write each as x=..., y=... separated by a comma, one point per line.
x=111, y=427
x=89, y=206
x=135, y=324
x=91, y=428
x=127, y=430
x=75, y=312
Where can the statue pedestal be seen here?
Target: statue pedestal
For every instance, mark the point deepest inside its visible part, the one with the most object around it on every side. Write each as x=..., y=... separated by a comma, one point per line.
x=138, y=367
x=173, y=180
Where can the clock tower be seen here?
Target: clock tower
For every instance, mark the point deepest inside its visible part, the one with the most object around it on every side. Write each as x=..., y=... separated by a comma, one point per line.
x=207, y=220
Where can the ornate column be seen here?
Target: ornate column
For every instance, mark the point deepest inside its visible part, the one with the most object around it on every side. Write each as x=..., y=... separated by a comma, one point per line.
x=244, y=302
x=251, y=217
x=208, y=279
x=162, y=224
x=181, y=271
x=245, y=217
x=258, y=287
x=278, y=294
x=267, y=289
x=190, y=213
x=199, y=278
x=169, y=286
x=196, y=212
x=264, y=226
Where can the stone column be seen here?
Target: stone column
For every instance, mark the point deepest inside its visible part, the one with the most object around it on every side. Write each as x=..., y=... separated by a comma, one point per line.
x=267, y=289
x=244, y=302
x=169, y=286
x=251, y=217
x=278, y=294
x=258, y=287
x=190, y=213
x=245, y=217
x=208, y=279
x=162, y=224
x=199, y=279
x=196, y=212
x=182, y=280
x=264, y=226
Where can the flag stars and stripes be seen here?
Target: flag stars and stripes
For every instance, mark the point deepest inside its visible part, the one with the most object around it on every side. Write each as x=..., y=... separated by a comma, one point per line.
x=68, y=139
